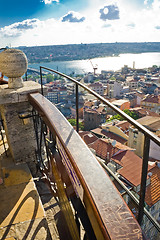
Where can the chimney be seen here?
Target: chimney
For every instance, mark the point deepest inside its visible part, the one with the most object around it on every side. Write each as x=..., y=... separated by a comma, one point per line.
x=107, y=158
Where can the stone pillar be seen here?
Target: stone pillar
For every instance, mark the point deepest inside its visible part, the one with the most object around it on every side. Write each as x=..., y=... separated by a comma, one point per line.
x=14, y=101
x=20, y=133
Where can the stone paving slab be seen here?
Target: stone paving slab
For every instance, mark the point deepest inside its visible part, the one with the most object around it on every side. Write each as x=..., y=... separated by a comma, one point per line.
x=22, y=216
x=20, y=203
x=16, y=175
x=11, y=238
x=29, y=230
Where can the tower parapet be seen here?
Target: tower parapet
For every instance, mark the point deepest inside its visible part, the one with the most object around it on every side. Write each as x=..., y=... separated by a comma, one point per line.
x=14, y=103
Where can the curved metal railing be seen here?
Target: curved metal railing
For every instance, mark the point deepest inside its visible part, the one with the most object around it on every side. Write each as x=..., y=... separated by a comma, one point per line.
x=147, y=133
x=98, y=204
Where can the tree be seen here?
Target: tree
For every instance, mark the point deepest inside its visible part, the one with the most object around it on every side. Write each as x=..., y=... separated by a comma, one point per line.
x=128, y=112
x=113, y=78
x=72, y=121
x=154, y=66
x=49, y=78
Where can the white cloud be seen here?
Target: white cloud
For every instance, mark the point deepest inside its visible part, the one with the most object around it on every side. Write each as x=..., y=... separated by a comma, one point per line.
x=50, y=1
x=156, y=5
x=73, y=17
x=17, y=29
x=109, y=12
x=132, y=25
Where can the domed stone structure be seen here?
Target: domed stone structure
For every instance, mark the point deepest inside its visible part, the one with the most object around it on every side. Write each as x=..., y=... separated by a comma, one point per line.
x=13, y=64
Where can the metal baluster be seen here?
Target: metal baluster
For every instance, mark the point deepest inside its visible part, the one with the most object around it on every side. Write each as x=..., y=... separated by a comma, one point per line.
x=143, y=178
x=36, y=128
x=1, y=129
x=77, y=111
x=41, y=81
x=26, y=75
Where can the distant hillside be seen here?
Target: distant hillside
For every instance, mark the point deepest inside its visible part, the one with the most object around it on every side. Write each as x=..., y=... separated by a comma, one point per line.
x=85, y=51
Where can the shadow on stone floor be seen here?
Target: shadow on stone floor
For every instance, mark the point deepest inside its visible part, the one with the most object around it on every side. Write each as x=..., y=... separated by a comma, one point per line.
x=21, y=212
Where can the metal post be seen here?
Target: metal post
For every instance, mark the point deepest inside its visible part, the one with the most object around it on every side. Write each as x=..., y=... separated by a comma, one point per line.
x=77, y=111
x=41, y=80
x=26, y=75
x=143, y=178
x=3, y=137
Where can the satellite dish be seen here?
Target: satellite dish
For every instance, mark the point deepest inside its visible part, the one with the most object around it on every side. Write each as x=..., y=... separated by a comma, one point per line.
x=114, y=143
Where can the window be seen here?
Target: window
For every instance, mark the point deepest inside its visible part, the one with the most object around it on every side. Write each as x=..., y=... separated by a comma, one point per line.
x=135, y=134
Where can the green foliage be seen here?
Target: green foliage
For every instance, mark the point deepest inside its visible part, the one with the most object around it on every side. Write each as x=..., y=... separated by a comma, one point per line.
x=154, y=66
x=113, y=78
x=49, y=78
x=128, y=112
x=79, y=75
x=72, y=121
x=29, y=76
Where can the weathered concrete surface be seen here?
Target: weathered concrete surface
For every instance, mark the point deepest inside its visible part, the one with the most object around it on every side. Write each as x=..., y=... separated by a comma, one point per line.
x=39, y=221
x=55, y=219
x=22, y=214
x=20, y=133
x=20, y=136
x=8, y=95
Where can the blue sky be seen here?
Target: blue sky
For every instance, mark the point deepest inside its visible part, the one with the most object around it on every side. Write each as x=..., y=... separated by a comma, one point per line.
x=48, y=22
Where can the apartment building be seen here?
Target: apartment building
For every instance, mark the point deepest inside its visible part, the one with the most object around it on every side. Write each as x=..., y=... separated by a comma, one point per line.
x=152, y=103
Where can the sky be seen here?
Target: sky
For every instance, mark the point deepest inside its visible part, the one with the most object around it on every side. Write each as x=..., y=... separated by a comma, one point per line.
x=56, y=22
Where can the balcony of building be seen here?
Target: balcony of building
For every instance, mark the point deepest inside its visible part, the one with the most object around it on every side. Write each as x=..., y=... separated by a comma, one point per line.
x=52, y=185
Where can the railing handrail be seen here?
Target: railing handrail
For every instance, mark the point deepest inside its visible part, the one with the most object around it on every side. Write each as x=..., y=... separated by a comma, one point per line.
x=106, y=205
x=140, y=127
x=148, y=135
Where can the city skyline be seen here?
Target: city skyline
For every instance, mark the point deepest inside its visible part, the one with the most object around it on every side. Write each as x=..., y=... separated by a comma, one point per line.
x=52, y=22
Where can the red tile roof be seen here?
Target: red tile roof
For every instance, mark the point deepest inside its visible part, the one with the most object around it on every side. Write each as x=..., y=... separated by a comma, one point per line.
x=123, y=125
x=88, y=137
x=104, y=147
x=152, y=99
x=101, y=109
x=153, y=189
x=131, y=166
x=144, y=112
x=88, y=104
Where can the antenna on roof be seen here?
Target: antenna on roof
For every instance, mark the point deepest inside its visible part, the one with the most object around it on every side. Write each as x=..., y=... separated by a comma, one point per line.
x=114, y=143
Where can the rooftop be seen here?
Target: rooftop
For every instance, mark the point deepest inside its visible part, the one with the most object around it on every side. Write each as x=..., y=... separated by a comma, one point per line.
x=104, y=146
x=153, y=189
x=152, y=99
x=152, y=123
x=88, y=137
x=119, y=102
x=131, y=166
x=144, y=112
x=104, y=133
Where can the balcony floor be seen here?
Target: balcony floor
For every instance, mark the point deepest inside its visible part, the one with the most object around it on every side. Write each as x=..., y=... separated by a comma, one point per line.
x=22, y=214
